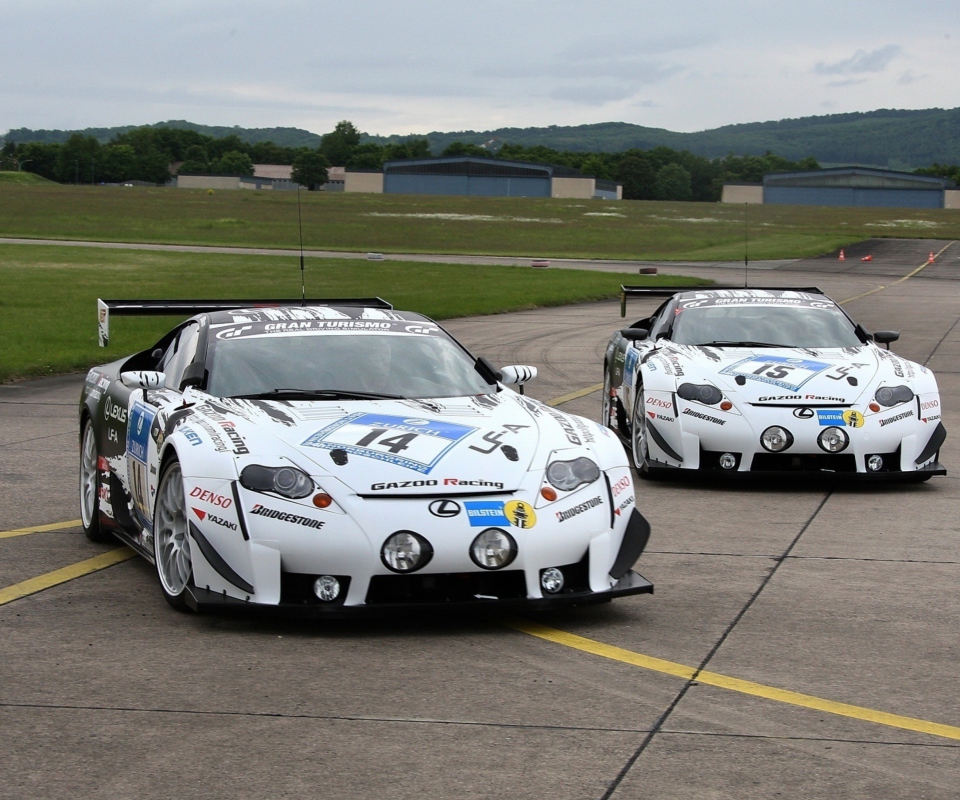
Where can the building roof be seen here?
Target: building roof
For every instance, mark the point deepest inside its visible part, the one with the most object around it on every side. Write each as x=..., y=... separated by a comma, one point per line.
x=276, y=171
x=856, y=178
x=471, y=165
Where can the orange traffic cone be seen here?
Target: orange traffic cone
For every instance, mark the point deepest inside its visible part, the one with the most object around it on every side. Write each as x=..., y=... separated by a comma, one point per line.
x=842, y=256
x=932, y=258
x=867, y=258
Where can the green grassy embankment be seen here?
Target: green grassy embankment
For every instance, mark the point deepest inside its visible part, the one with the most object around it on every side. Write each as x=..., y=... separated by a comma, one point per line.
x=23, y=179
x=528, y=227
x=48, y=303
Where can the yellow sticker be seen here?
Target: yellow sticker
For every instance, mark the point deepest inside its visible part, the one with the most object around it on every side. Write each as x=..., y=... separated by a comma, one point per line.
x=854, y=419
x=520, y=514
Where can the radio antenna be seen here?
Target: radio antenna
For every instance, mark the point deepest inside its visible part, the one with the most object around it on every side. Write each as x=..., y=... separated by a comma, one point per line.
x=303, y=286
x=746, y=244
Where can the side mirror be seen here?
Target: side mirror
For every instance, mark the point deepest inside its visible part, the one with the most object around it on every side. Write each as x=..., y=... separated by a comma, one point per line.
x=517, y=375
x=142, y=379
x=885, y=337
x=635, y=334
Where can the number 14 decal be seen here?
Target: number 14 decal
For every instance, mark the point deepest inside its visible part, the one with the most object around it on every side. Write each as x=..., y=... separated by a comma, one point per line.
x=395, y=444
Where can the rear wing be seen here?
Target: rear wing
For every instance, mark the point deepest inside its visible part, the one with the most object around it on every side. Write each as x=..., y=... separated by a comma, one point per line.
x=187, y=308
x=669, y=291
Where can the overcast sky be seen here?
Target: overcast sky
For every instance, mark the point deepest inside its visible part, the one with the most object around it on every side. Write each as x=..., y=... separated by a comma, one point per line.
x=415, y=66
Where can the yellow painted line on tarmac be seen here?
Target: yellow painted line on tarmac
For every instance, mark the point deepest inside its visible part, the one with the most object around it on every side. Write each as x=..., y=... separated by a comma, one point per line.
x=732, y=684
x=53, y=526
x=58, y=576
x=566, y=398
x=906, y=277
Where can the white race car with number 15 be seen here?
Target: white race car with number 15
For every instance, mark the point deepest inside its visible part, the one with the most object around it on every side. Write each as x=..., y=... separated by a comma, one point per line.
x=767, y=381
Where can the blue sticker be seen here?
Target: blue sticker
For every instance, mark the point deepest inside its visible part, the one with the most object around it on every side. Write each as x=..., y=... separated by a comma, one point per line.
x=787, y=373
x=411, y=442
x=138, y=431
x=830, y=416
x=484, y=513
x=630, y=362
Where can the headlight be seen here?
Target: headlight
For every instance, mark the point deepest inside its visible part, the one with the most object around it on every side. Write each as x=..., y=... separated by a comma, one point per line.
x=405, y=551
x=776, y=439
x=568, y=475
x=493, y=549
x=706, y=393
x=284, y=481
x=894, y=395
x=833, y=440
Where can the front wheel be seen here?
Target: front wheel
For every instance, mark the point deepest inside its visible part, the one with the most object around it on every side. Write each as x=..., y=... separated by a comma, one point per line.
x=171, y=542
x=90, y=486
x=638, y=437
x=606, y=402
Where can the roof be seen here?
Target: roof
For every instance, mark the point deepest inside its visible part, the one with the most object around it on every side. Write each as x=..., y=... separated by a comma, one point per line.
x=856, y=178
x=472, y=165
x=276, y=171
x=331, y=315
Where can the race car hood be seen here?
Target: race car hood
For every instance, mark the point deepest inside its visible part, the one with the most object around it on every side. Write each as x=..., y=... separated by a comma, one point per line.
x=456, y=445
x=779, y=375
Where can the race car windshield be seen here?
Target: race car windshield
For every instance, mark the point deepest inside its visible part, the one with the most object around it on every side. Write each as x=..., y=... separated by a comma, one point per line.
x=758, y=326
x=343, y=366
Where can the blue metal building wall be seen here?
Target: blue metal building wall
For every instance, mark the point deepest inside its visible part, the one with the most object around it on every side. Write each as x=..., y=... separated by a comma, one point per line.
x=838, y=196
x=482, y=185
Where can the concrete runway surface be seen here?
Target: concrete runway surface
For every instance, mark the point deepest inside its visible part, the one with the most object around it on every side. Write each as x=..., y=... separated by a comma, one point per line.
x=849, y=595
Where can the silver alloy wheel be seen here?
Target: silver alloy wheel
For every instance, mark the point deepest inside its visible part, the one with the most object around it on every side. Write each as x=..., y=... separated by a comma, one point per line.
x=638, y=434
x=88, y=477
x=171, y=544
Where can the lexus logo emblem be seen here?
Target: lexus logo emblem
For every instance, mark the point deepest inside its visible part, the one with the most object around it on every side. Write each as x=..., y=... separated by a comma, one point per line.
x=444, y=508
x=803, y=413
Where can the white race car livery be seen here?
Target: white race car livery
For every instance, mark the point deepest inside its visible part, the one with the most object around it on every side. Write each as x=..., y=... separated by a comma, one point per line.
x=328, y=460
x=769, y=380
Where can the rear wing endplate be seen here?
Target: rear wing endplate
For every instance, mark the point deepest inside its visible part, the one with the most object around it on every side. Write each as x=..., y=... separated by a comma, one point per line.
x=669, y=291
x=187, y=308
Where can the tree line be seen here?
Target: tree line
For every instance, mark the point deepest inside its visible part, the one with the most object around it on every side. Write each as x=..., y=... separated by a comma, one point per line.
x=146, y=154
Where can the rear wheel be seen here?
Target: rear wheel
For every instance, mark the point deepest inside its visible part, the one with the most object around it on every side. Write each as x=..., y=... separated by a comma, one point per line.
x=171, y=543
x=90, y=486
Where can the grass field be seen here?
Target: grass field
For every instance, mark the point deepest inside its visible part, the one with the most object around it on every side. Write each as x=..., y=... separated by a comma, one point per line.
x=462, y=225
x=48, y=305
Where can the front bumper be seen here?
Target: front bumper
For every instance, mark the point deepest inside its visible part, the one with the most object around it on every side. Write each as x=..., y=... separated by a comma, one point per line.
x=205, y=601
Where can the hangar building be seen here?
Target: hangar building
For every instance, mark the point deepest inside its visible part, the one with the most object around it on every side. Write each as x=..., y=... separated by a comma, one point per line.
x=485, y=177
x=847, y=186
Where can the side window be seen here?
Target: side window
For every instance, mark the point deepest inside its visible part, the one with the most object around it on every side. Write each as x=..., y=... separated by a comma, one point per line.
x=662, y=320
x=180, y=354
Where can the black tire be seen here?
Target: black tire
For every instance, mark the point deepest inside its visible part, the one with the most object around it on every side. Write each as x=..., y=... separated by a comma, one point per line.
x=171, y=540
x=90, y=485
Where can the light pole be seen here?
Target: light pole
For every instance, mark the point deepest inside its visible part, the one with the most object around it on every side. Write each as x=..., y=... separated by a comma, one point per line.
x=21, y=163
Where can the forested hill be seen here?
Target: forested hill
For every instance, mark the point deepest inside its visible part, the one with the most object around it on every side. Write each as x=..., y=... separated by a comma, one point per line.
x=285, y=137
x=886, y=138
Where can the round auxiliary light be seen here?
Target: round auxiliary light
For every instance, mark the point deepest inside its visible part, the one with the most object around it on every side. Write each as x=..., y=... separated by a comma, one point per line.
x=833, y=440
x=875, y=463
x=326, y=588
x=493, y=549
x=548, y=494
x=874, y=407
x=726, y=405
x=405, y=551
x=775, y=439
x=728, y=461
x=551, y=580
x=322, y=500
